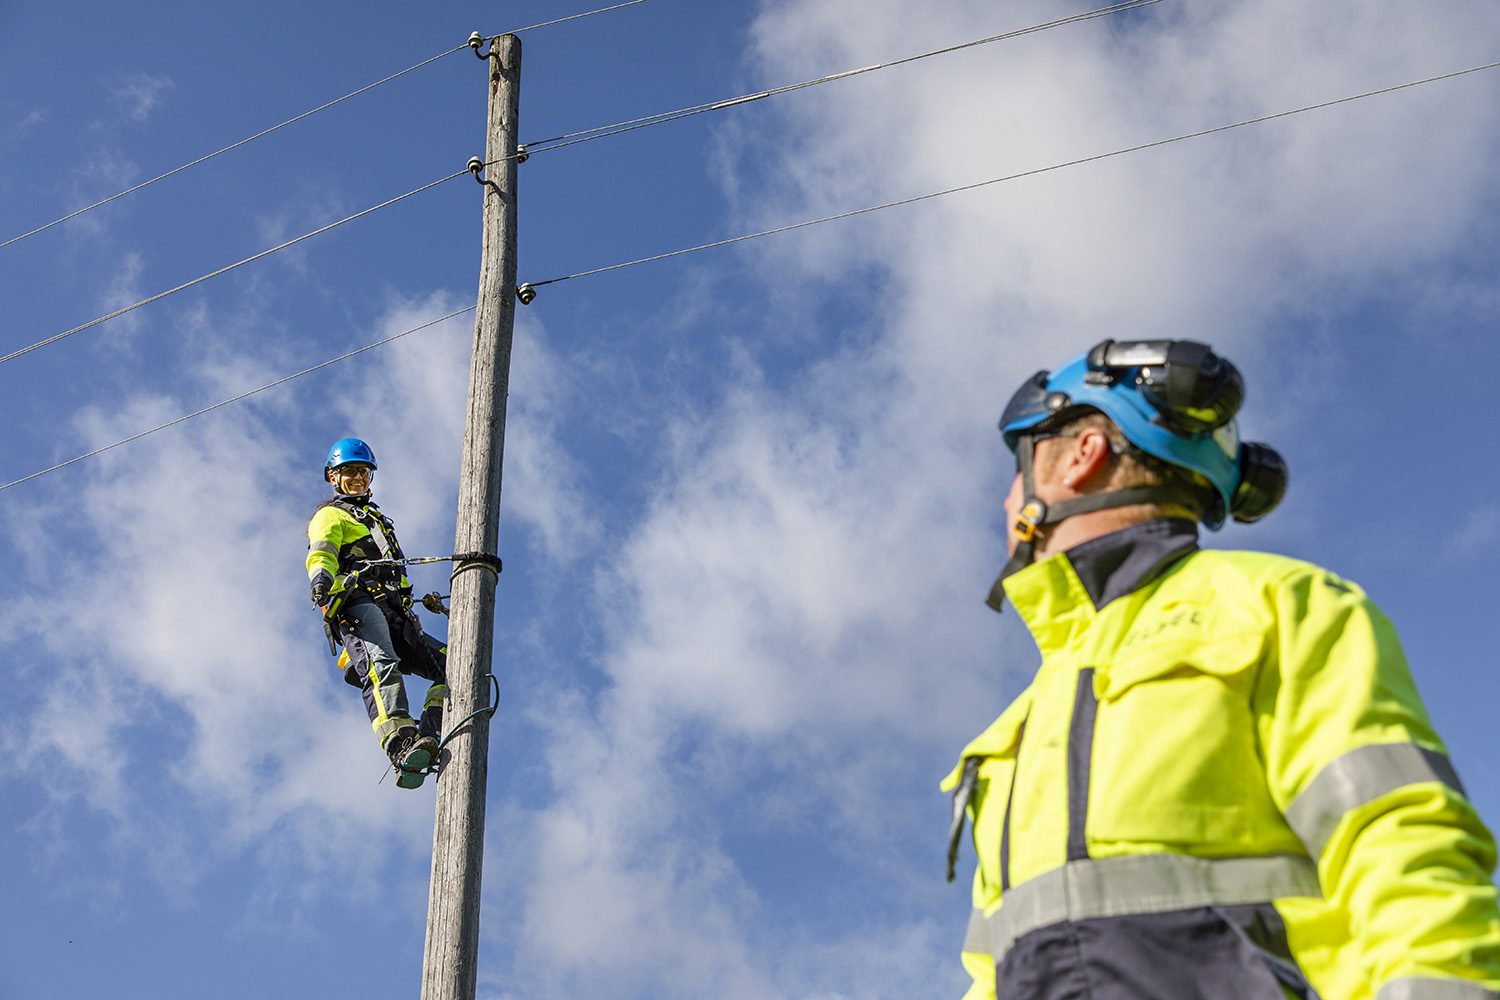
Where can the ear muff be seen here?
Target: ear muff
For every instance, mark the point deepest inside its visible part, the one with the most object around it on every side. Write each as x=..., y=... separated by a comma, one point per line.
x=1263, y=478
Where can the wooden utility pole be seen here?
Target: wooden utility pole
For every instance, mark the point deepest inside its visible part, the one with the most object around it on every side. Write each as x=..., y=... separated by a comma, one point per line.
x=449, y=968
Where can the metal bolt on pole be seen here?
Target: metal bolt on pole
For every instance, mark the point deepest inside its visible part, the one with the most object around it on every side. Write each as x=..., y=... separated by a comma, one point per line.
x=449, y=967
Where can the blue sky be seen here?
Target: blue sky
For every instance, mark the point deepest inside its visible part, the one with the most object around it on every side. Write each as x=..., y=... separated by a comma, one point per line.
x=752, y=495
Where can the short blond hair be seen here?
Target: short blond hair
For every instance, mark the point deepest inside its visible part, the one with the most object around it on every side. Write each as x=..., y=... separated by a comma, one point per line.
x=1134, y=467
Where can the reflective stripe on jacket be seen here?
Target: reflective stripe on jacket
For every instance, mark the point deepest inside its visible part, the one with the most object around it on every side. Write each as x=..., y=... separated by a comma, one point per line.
x=347, y=531
x=1221, y=769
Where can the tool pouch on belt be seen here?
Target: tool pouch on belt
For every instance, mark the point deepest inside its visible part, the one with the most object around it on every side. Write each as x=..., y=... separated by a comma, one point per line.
x=343, y=587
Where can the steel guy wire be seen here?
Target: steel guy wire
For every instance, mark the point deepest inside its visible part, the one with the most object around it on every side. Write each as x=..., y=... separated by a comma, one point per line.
x=289, y=121
x=599, y=132
x=1017, y=176
x=236, y=399
x=230, y=267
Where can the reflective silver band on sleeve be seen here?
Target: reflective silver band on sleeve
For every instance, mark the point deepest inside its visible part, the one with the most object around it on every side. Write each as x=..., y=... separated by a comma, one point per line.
x=328, y=547
x=1434, y=989
x=1146, y=883
x=1358, y=777
x=977, y=938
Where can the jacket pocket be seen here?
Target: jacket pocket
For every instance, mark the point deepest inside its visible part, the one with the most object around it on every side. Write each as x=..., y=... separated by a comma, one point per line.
x=1174, y=757
x=1228, y=659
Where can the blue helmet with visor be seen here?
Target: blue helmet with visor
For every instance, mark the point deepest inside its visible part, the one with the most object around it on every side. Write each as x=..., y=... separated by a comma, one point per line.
x=1171, y=399
x=346, y=450
x=1175, y=400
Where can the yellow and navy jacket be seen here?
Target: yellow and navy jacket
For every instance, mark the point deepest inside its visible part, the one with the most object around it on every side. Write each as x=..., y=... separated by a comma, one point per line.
x=346, y=532
x=1221, y=782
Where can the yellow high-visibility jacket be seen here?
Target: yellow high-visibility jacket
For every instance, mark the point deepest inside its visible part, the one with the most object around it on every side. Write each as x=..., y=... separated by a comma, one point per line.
x=347, y=531
x=1220, y=783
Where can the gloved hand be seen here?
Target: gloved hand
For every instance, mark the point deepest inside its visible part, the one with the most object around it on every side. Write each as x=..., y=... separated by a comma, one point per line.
x=321, y=584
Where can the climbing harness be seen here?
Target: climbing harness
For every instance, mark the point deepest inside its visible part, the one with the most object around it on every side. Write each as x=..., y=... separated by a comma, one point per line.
x=349, y=582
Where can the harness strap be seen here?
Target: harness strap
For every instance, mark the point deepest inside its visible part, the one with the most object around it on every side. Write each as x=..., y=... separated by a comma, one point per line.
x=377, y=525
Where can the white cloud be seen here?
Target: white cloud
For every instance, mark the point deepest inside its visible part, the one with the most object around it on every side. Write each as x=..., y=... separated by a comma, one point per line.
x=139, y=94
x=19, y=129
x=199, y=647
x=794, y=632
x=789, y=630
x=122, y=290
x=199, y=650
x=1478, y=531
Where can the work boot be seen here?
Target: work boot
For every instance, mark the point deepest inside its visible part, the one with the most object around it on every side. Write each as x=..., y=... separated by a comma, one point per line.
x=422, y=753
x=411, y=754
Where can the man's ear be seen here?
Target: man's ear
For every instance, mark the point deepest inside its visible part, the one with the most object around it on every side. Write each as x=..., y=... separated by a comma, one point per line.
x=1087, y=463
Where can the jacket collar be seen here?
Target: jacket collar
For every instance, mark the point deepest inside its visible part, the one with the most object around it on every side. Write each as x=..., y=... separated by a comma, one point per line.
x=1063, y=593
x=1123, y=561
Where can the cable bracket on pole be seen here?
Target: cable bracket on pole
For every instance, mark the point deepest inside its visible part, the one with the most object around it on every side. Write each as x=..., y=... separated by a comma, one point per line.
x=476, y=167
x=476, y=40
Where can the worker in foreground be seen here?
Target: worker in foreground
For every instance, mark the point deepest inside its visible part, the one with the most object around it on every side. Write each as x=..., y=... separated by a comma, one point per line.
x=358, y=580
x=1221, y=782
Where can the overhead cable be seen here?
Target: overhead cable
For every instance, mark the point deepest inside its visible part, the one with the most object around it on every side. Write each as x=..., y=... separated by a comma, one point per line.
x=587, y=135
x=226, y=149
x=298, y=118
x=1011, y=177
x=230, y=267
x=570, y=17
x=236, y=399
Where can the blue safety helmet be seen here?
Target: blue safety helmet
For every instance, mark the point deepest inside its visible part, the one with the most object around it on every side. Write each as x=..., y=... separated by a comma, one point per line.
x=1174, y=399
x=346, y=450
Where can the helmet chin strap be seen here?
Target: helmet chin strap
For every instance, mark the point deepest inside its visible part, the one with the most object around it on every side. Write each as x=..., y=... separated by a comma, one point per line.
x=1034, y=514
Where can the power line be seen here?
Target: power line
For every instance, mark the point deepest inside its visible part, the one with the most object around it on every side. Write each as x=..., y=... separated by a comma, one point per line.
x=236, y=399
x=230, y=267
x=1016, y=176
x=289, y=121
x=599, y=132
x=226, y=149
x=570, y=17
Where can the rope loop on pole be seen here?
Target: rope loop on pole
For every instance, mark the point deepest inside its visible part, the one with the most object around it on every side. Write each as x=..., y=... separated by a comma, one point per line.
x=475, y=560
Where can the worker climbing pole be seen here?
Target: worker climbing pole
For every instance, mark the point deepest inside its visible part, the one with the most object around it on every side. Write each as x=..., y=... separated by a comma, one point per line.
x=451, y=957
x=358, y=578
